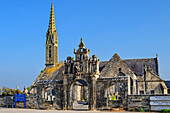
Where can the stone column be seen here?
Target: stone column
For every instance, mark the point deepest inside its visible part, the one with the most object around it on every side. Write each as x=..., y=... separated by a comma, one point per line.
x=97, y=66
x=39, y=96
x=43, y=93
x=134, y=84
x=51, y=96
x=129, y=87
x=90, y=66
x=93, y=97
x=69, y=99
x=145, y=80
x=65, y=93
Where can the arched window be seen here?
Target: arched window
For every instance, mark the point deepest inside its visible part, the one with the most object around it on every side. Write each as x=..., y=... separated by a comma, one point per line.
x=49, y=52
x=81, y=57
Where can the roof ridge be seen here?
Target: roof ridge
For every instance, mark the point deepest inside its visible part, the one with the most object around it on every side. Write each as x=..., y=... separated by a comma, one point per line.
x=139, y=59
x=104, y=61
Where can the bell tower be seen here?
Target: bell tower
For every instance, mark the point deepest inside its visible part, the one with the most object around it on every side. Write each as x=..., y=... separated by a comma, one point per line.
x=51, y=41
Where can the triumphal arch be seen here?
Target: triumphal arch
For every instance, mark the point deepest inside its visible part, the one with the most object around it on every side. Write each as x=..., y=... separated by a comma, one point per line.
x=82, y=73
x=82, y=68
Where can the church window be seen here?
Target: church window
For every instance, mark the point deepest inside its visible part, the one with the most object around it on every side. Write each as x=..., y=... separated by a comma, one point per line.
x=50, y=52
x=53, y=93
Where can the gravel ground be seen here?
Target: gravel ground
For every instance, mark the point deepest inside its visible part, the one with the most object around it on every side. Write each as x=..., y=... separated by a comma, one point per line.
x=16, y=110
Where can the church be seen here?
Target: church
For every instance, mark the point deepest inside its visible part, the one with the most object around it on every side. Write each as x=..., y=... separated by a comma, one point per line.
x=84, y=78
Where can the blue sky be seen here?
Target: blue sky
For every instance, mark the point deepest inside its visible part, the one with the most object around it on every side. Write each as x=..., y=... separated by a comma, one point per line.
x=132, y=28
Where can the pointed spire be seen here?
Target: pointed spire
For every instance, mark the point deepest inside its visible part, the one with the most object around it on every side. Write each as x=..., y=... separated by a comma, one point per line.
x=52, y=19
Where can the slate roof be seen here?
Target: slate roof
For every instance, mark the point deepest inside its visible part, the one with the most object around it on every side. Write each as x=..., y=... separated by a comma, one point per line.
x=167, y=83
x=137, y=65
x=102, y=65
x=57, y=75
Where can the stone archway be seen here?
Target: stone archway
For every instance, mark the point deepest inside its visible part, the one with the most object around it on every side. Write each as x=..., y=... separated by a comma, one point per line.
x=120, y=82
x=79, y=95
x=55, y=96
x=69, y=82
x=82, y=67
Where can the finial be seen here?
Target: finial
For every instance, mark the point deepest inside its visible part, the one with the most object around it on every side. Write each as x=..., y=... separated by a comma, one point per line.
x=145, y=67
x=81, y=45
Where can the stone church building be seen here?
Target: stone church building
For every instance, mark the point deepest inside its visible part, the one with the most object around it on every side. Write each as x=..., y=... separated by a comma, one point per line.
x=87, y=79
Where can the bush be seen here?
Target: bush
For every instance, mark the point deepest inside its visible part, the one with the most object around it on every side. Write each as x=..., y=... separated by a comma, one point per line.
x=165, y=110
x=133, y=109
x=28, y=88
x=10, y=92
x=141, y=109
x=42, y=71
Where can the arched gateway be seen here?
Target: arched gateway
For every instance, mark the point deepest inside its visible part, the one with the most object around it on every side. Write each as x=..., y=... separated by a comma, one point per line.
x=85, y=72
x=82, y=68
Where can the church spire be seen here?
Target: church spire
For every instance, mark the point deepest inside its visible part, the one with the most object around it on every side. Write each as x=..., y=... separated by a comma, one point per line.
x=52, y=19
x=51, y=41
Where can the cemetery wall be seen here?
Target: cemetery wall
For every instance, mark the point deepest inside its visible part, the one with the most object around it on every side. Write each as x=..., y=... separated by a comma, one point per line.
x=2, y=101
x=31, y=102
x=141, y=101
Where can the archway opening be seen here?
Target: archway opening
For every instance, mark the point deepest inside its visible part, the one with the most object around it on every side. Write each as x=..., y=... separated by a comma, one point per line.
x=112, y=95
x=79, y=95
x=48, y=95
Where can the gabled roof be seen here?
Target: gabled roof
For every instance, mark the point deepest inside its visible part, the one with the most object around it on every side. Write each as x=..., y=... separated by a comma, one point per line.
x=102, y=65
x=114, y=66
x=58, y=74
x=137, y=65
x=48, y=72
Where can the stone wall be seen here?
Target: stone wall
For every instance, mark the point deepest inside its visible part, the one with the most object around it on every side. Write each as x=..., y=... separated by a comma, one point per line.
x=140, y=101
x=57, y=102
x=31, y=102
x=2, y=101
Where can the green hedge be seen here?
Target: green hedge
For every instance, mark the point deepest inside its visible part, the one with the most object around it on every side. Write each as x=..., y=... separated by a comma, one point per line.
x=165, y=110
